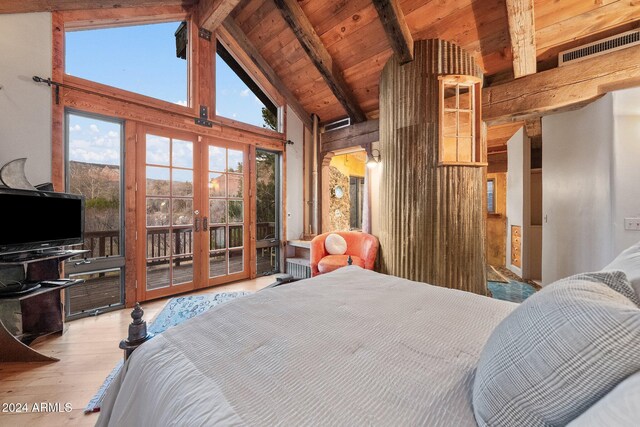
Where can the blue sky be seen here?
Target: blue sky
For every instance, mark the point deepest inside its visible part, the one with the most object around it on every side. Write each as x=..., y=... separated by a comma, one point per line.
x=142, y=59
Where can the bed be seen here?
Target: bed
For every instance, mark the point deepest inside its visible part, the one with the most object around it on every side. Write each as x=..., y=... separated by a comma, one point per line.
x=352, y=347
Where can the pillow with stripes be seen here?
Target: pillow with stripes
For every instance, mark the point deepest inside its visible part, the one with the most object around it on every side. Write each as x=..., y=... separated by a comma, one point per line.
x=559, y=352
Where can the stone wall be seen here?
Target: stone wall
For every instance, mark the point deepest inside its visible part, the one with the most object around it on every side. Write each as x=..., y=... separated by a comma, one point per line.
x=339, y=207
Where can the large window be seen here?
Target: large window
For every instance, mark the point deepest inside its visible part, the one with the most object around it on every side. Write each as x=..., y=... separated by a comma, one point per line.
x=238, y=97
x=145, y=59
x=459, y=121
x=95, y=170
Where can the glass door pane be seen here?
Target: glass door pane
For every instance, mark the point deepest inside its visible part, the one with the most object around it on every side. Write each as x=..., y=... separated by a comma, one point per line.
x=227, y=216
x=95, y=169
x=267, y=212
x=169, y=204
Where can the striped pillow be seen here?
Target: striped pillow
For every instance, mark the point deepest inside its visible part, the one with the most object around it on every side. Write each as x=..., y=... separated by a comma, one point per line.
x=559, y=352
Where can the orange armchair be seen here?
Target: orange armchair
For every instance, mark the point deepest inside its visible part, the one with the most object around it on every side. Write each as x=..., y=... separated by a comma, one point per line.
x=362, y=247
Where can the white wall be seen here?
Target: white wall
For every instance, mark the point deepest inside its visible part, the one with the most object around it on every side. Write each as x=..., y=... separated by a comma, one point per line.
x=25, y=107
x=515, y=190
x=626, y=165
x=294, y=178
x=577, y=199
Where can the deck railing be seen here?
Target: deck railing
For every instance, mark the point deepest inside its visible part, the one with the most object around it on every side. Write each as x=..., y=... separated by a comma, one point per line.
x=161, y=243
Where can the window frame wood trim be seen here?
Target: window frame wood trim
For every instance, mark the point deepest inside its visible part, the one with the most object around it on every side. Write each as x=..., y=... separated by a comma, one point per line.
x=113, y=18
x=478, y=154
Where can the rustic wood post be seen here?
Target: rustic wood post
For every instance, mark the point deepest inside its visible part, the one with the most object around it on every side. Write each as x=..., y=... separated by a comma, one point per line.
x=432, y=223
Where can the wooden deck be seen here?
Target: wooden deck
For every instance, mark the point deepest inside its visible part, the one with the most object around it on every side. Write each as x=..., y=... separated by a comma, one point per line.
x=100, y=292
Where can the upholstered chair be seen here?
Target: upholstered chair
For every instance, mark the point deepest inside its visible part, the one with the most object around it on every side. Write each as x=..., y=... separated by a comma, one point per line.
x=362, y=247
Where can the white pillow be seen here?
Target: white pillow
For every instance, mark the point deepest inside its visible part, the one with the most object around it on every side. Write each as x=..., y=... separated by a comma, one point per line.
x=629, y=263
x=559, y=352
x=335, y=244
x=620, y=407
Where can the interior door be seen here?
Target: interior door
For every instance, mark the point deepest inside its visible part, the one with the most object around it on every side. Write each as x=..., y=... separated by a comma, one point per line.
x=226, y=214
x=168, y=214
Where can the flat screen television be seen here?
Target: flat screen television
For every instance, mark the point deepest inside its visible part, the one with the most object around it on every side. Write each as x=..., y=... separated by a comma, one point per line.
x=32, y=220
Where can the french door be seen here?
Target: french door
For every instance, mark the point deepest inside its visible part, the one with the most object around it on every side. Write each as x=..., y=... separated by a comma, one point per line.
x=191, y=212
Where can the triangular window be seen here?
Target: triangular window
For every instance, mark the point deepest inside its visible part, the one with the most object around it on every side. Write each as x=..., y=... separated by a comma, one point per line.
x=238, y=97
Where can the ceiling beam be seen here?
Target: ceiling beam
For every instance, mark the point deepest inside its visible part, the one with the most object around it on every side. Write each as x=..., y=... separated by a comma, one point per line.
x=523, y=36
x=211, y=13
x=317, y=52
x=27, y=6
x=357, y=135
x=233, y=36
x=396, y=27
x=561, y=89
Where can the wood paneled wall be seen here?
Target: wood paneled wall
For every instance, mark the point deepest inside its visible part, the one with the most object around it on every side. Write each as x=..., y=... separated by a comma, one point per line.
x=432, y=226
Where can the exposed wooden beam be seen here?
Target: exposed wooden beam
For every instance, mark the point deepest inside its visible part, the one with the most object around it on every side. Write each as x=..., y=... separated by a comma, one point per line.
x=26, y=6
x=523, y=36
x=310, y=41
x=396, y=27
x=357, y=135
x=211, y=13
x=561, y=89
x=233, y=35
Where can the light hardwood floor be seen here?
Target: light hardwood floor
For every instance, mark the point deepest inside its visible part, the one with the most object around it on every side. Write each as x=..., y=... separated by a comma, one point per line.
x=88, y=351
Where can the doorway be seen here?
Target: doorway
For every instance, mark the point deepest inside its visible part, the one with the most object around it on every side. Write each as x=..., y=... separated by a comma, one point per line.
x=268, y=215
x=191, y=212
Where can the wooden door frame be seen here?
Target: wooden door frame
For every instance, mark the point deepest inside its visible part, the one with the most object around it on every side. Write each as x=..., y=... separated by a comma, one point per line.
x=141, y=163
x=249, y=225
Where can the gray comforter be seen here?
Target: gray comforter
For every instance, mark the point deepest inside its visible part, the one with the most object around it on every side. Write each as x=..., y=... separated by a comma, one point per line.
x=351, y=347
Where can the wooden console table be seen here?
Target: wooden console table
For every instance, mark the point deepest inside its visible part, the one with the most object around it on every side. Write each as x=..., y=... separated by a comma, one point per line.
x=25, y=317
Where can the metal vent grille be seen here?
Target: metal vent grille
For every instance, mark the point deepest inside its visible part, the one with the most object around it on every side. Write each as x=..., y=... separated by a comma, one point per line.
x=337, y=124
x=610, y=44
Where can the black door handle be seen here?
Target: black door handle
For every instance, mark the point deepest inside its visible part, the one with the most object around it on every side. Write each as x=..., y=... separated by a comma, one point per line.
x=197, y=224
x=204, y=224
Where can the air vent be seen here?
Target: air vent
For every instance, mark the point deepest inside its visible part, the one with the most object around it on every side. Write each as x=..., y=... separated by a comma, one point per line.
x=342, y=123
x=610, y=44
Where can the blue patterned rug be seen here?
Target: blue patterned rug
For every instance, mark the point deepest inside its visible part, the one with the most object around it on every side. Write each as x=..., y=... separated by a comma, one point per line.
x=176, y=311
x=512, y=291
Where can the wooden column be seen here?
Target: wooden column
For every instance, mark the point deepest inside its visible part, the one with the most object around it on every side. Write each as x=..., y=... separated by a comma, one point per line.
x=432, y=224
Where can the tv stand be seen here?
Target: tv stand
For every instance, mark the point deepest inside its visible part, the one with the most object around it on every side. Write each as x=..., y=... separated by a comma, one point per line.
x=27, y=316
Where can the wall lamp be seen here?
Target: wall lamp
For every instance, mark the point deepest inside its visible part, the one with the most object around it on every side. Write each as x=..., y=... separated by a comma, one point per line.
x=373, y=159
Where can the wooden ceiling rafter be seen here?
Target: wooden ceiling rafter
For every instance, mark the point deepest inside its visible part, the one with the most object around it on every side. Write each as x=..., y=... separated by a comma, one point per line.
x=522, y=31
x=211, y=13
x=357, y=135
x=317, y=52
x=396, y=28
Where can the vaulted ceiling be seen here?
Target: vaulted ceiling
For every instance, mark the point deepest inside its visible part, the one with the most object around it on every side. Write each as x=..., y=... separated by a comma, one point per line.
x=352, y=33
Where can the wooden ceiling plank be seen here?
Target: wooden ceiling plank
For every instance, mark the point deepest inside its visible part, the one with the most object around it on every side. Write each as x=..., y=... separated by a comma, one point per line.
x=580, y=26
x=562, y=88
x=28, y=6
x=311, y=43
x=211, y=13
x=550, y=12
x=523, y=36
x=498, y=136
x=396, y=28
x=237, y=37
